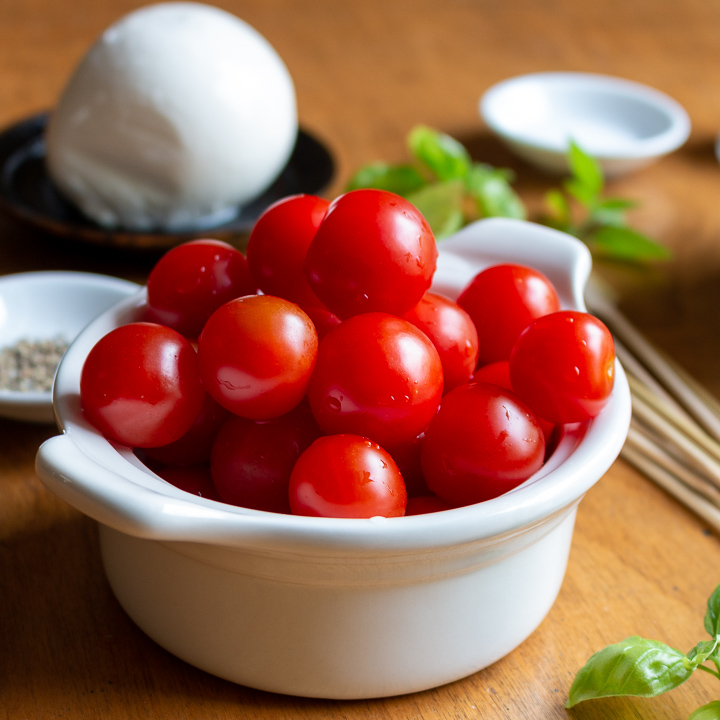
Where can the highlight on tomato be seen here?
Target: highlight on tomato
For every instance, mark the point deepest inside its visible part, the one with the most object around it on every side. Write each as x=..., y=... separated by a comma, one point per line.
x=453, y=333
x=373, y=252
x=346, y=476
x=563, y=366
x=483, y=442
x=256, y=355
x=502, y=301
x=140, y=385
x=194, y=279
x=377, y=376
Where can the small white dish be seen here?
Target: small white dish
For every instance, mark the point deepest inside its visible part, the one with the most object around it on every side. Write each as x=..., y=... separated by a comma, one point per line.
x=46, y=305
x=622, y=124
x=332, y=607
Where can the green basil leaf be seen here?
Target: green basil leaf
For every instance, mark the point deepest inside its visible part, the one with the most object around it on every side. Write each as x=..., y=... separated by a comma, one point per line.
x=617, y=204
x=444, y=156
x=622, y=243
x=701, y=652
x=611, y=217
x=635, y=666
x=441, y=204
x=493, y=193
x=559, y=208
x=611, y=211
x=400, y=179
x=584, y=195
x=586, y=170
x=712, y=614
x=711, y=711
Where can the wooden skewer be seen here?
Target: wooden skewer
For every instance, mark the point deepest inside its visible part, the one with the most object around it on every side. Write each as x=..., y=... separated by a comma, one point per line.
x=664, y=371
x=675, y=487
x=636, y=371
x=682, y=442
x=674, y=436
x=645, y=397
x=649, y=445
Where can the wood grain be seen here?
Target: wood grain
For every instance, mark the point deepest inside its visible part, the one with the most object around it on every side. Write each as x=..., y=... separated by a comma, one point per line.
x=365, y=73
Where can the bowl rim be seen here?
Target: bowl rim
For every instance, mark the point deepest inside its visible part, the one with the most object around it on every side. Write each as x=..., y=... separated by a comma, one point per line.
x=82, y=466
x=661, y=143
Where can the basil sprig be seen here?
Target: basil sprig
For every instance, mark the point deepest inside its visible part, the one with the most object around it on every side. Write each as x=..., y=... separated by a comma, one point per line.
x=444, y=183
x=646, y=668
x=450, y=189
x=602, y=223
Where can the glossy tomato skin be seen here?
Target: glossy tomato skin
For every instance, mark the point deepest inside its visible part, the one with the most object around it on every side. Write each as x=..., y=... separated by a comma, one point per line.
x=323, y=319
x=563, y=366
x=484, y=442
x=256, y=356
x=502, y=301
x=252, y=459
x=373, y=251
x=193, y=448
x=194, y=279
x=377, y=376
x=452, y=332
x=140, y=385
x=407, y=458
x=498, y=373
x=346, y=476
x=278, y=244
x=423, y=504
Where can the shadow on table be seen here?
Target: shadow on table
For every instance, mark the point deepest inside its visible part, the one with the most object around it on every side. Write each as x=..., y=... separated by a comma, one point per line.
x=68, y=647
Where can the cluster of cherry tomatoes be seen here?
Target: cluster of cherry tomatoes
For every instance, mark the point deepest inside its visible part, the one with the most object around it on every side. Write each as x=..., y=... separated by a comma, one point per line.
x=319, y=375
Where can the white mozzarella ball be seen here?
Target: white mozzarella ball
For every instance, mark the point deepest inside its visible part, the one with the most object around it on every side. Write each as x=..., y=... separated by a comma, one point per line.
x=178, y=114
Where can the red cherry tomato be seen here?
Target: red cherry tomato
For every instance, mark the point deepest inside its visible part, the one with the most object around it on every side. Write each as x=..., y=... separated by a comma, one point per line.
x=563, y=366
x=502, y=301
x=346, y=476
x=374, y=251
x=193, y=448
x=140, y=385
x=252, y=459
x=256, y=355
x=377, y=376
x=194, y=479
x=423, y=504
x=498, y=373
x=278, y=244
x=483, y=442
x=193, y=280
x=407, y=458
x=323, y=319
x=452, y=332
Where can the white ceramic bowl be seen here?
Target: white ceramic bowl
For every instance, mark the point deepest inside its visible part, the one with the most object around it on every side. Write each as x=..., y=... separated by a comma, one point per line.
x=623, y=124
x=43, y=306
x=339, y=608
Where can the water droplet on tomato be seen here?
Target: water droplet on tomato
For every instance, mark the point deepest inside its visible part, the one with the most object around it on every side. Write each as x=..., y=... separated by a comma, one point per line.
x=333, y=404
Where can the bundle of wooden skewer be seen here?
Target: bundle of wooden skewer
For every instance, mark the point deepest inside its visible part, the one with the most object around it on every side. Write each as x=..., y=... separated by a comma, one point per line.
x=674, y=435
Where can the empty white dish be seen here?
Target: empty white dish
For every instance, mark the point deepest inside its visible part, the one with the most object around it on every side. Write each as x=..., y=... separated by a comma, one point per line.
x=622, y=124
x=339, y=608
x=48, y=305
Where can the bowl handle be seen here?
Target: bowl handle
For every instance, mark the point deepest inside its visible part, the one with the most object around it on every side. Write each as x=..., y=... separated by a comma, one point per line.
x=562, y=258
x=71, y=474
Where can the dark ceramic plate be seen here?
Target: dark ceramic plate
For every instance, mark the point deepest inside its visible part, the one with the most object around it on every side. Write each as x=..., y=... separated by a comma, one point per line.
x=27, y=192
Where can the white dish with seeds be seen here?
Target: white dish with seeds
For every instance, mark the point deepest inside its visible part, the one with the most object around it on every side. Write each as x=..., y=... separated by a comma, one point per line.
x=40, y=314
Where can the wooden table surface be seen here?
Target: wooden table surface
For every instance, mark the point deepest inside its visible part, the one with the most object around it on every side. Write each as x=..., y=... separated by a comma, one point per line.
x=366, y=71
